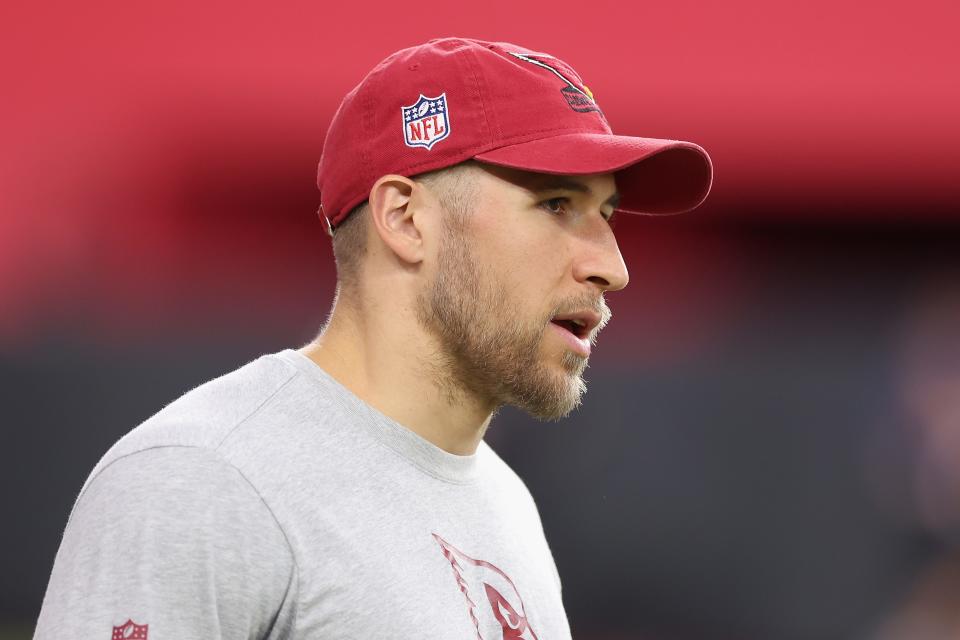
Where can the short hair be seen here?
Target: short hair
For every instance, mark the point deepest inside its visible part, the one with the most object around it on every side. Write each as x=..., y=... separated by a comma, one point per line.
x=457, y=193
x=350, y=247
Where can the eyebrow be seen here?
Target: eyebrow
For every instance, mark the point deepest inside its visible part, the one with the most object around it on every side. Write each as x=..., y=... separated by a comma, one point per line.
x=561, y=183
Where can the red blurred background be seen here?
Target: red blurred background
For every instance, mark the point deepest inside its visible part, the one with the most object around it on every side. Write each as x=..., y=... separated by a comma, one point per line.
x=152, y=152
x=158, y=225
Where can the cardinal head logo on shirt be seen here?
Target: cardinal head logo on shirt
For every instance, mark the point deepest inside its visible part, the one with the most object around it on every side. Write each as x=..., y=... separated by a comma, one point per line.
x=496, y=609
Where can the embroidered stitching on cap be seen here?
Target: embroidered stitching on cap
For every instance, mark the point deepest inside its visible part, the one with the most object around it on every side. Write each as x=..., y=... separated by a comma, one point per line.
x=579, y=98
x=426, y=121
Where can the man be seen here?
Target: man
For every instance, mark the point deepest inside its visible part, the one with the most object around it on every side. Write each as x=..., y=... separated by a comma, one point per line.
x=344, y=490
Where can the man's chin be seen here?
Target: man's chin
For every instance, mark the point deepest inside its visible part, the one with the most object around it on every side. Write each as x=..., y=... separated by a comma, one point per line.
x=565, y=396
x=554, y=412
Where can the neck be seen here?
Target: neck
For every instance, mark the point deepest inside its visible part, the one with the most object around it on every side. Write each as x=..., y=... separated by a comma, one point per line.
x=383, y=364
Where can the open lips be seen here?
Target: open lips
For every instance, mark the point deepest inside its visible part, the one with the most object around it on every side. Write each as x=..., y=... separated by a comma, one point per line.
x=579, y=323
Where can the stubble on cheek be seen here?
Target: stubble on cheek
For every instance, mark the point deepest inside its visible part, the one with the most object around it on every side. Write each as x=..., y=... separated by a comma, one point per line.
x=491, y=344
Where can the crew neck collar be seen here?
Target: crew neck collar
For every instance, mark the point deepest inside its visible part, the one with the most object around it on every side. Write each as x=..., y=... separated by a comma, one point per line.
x=416, y=449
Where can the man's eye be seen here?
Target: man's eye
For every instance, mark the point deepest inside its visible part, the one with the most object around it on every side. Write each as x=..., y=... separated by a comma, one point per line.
x=554, y=205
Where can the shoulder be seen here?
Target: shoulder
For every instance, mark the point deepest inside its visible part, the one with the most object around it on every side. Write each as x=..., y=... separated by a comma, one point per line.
x=206, y=415
x=176, y=534
x=170, y=486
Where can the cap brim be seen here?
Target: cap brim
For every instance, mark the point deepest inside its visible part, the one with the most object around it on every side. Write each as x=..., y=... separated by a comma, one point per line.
x=654, y=176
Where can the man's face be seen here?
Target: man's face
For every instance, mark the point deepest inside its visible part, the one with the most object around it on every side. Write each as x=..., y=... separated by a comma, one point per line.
x=532, y=246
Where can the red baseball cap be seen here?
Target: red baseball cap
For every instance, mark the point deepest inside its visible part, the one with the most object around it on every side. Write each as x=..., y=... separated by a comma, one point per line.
x=455, y=99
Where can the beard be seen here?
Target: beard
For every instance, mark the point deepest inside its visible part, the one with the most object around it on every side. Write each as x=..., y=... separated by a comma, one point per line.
x=486, y=349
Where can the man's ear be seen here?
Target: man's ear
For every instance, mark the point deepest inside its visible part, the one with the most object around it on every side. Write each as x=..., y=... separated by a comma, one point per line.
x=391, y=210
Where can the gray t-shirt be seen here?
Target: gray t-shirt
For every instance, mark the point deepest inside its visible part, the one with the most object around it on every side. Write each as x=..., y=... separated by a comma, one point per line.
x=273, y=503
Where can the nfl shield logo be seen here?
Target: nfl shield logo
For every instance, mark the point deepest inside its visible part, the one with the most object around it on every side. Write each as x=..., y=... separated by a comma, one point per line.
x=426, y=121
x=130, y=630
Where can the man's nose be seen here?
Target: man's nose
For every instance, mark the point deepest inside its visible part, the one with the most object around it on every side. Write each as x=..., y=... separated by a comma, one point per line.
x=600, y=260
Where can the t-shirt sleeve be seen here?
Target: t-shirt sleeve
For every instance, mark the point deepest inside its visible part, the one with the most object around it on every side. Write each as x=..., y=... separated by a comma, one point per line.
x=176, y=539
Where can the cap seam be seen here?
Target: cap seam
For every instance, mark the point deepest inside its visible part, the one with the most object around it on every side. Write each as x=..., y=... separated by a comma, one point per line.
x=471, y=62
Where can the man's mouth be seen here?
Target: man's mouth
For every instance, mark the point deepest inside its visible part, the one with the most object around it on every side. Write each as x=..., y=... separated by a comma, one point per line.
x=576, y=327
x=580, y=323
